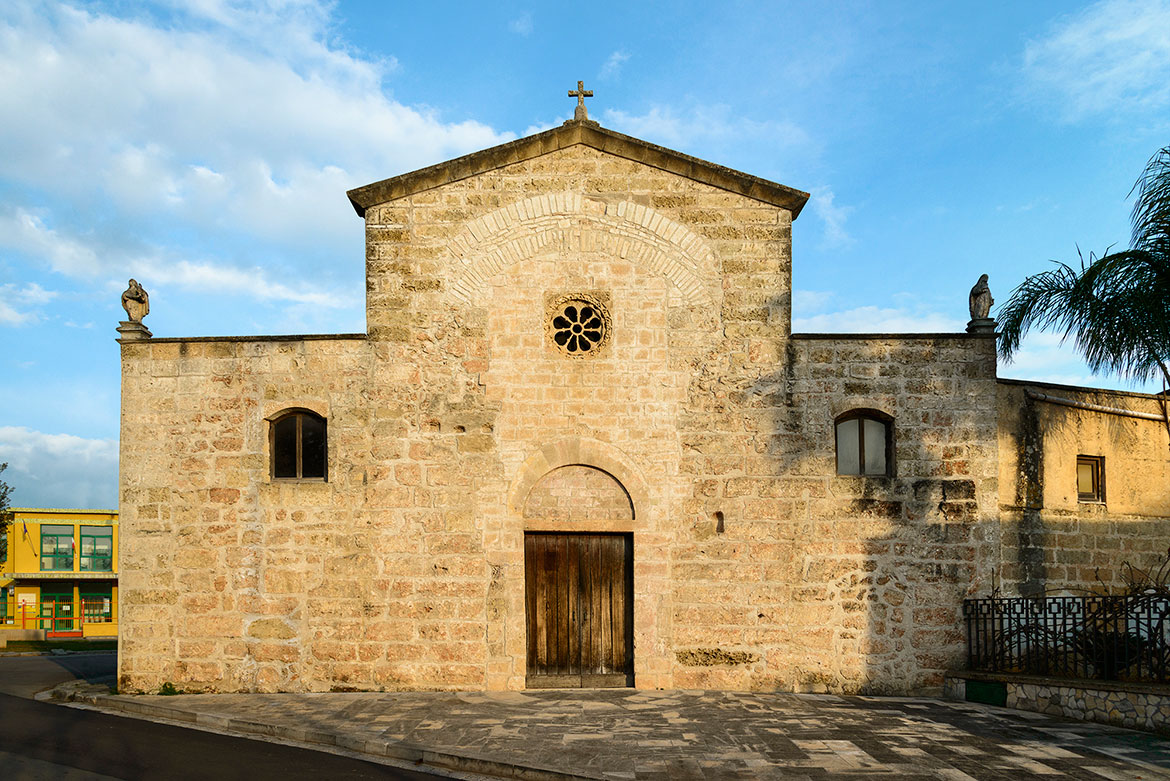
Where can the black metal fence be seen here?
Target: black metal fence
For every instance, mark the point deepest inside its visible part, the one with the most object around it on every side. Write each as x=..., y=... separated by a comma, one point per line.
x=1116, y=638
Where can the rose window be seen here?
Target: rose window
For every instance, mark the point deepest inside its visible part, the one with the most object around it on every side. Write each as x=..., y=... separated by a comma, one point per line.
x=578, y=327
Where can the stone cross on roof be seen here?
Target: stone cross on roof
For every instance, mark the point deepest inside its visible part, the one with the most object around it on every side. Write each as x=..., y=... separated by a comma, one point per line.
x=580, y=114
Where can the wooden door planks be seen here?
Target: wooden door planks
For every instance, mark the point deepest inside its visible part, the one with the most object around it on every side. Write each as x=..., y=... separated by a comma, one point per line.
x=579, y=606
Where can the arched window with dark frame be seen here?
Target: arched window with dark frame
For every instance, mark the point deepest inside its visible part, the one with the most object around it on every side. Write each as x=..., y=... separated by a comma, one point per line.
x=298, y=444
x=865, y=443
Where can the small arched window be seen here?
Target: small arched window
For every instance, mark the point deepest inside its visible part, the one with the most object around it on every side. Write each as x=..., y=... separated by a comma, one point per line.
x=865, y=443
x=298, y=445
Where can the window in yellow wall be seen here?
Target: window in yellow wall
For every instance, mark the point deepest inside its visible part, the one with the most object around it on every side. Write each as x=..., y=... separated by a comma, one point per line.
x=97, y=549
x=97, y=604
x=1090, y=478
x=57, y=604
x=56, y=548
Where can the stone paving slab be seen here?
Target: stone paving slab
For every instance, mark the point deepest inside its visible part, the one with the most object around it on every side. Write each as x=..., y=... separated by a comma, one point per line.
x=626, y=735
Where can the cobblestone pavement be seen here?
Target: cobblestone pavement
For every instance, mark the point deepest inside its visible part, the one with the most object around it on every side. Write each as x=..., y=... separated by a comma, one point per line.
x=643, y=735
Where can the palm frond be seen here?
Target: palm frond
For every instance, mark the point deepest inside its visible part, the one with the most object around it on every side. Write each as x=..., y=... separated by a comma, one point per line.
x=1150, y=219
x=1115, y=308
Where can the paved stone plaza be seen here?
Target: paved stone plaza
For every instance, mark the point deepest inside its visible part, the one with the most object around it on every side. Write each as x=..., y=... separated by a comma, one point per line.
x=625, y=734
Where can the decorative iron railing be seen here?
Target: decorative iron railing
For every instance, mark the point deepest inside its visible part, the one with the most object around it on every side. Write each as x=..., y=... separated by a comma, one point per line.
x=1117, y=638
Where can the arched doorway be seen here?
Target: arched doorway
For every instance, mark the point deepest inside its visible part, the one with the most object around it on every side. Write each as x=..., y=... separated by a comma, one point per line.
x=578, y=583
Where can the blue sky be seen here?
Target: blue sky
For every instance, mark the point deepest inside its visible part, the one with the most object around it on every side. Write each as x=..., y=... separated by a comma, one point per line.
x=205, y=148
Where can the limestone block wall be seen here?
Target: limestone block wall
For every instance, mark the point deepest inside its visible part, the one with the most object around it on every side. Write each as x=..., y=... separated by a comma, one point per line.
x=700, y=426
x=578, y=493
x=459, y=281
x=1053, y=543
x=825, y=582
x=405, y=569
x=226, y=572
x=374, y=578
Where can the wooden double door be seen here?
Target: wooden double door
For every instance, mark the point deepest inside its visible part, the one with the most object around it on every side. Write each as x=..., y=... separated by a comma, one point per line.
x=580, y=609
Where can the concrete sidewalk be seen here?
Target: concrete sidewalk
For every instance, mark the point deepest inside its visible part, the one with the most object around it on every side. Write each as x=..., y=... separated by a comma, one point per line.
x=660, y=735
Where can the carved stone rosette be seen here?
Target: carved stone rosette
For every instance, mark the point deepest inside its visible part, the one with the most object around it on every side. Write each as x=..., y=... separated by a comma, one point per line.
x=578, y=325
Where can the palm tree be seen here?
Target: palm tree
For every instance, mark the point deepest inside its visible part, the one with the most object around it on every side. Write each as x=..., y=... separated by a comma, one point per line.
x=1116, y=308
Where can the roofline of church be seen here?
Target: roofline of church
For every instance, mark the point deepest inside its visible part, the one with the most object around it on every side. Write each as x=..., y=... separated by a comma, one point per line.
x=910, y=335
x=1080, y=388
x=569, y=134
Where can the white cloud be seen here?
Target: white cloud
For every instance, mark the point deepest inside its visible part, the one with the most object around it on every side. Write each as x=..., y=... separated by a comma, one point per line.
x=229, y=118
x=17, y=304
x=59, y=470
x=32, y=293
x=522, y=24
x=10, y=315
x=832, y=216
x=806, y=302
x=26, y=233
x=1046, y=357
x=541, y=127
x=873, y=319
x=232, y=281
x=613, y=65
x=1112, y=57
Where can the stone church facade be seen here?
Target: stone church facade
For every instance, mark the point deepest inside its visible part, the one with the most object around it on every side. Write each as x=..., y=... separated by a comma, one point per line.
x=578, y=445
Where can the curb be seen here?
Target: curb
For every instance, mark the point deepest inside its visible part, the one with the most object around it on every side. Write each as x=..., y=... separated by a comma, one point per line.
x=398, y=750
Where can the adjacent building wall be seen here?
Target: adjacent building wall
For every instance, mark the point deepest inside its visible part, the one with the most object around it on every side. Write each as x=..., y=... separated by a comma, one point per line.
x=1053, y=543
x=24, y=578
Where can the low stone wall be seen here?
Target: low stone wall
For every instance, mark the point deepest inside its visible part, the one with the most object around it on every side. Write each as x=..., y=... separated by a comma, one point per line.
x=1136, y=706
x=8, y=633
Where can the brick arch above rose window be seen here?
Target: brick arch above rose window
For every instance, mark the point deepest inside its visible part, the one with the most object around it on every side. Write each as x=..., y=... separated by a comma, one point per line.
x=637, y=233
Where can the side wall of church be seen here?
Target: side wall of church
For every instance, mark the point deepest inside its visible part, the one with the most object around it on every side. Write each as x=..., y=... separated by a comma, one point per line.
x=232, y=581
x=815, y=581
x=1054, y=542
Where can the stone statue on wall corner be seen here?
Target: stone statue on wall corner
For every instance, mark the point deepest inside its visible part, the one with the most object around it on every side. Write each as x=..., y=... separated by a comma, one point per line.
x=137, y=305
x=136, y=302
x=980, y=302
x=980, y=299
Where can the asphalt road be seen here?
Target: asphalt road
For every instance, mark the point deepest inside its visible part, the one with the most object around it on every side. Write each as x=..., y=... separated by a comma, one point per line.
x=39, y=740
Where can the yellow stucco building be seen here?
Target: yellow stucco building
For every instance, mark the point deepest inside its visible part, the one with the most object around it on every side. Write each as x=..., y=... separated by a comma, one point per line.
x=59, y=572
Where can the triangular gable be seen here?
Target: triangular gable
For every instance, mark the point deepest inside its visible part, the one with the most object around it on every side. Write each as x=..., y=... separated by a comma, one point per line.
x=569, y=134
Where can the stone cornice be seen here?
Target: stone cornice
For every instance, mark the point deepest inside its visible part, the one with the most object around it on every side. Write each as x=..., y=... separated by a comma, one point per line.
x=260, y=338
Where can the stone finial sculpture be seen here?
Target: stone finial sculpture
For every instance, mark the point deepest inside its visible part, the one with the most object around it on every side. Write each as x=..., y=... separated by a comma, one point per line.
x=137, y=305
x=136, y=302
x=980, y=299
x=980, y=302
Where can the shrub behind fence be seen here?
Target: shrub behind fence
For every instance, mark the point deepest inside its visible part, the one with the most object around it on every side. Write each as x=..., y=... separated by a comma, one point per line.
x=1117, y=638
